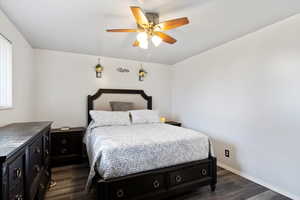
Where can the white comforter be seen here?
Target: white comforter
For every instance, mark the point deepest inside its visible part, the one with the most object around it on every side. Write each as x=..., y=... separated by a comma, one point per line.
x=116, y=151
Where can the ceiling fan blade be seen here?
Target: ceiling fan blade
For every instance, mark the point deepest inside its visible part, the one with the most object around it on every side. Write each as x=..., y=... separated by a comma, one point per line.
x=171, y=24
x=136, y=43
x=165, y=37
x=139, y=16
x=122, y=30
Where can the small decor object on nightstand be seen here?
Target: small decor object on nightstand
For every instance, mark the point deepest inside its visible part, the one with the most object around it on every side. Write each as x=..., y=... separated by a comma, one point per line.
x=99, y=69
x=173, y=123
x=64, y=128
x=67, y=146
x=162, y=119
x=142, y=73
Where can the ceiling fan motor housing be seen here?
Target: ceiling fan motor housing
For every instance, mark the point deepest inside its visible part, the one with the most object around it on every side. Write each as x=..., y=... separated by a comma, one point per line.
x=152, y=18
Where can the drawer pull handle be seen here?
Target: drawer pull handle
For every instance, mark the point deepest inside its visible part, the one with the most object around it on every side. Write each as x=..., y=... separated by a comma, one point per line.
x=178, y=178
x=64, y=141
x=37, y=150
x=120, y=193
x=47, y=152
x=47, y=138
x=63, y=150
x=37, y=168
x=47, y=173
x=18, y=173
x=204, y=172
x=19, y=197
x=156, y=184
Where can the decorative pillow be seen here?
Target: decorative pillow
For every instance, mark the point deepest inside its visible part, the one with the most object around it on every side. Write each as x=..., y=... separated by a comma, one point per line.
x=121, y=106
x=109, y=118
x=144, y=116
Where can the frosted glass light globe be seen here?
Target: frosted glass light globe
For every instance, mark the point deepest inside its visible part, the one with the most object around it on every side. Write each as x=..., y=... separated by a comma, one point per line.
x=156, y=40
x=144, y=44
x=142, y=36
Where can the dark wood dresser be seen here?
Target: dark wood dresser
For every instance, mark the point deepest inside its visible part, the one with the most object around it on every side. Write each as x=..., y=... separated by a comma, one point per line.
x=67, y=146
x=24, y=160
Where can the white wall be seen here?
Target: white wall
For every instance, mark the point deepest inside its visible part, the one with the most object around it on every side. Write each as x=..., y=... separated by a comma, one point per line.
x=65, y=79
x=23, y=96
x=245, y=95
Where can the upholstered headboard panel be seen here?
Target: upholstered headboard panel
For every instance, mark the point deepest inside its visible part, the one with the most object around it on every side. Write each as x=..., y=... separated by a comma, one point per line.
x=138, y=97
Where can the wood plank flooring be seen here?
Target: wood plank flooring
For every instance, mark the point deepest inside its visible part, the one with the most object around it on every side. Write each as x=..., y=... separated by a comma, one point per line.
x=71, y=181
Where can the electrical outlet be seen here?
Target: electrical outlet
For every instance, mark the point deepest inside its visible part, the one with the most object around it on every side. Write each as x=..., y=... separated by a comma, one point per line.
x=227, y=153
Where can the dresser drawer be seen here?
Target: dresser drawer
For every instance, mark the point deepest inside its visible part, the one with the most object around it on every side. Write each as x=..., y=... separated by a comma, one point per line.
x=46, y=149
x=44, y=182
x=188, y=174
x=16, y=175
x=147, y=184
x=16, y=172
x=35, y=165
x=36, y=156
x=16, y=194
x=47, y=141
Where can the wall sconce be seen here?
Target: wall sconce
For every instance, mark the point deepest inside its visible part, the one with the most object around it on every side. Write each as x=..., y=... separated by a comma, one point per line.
x=99, y=69
x=142, y=73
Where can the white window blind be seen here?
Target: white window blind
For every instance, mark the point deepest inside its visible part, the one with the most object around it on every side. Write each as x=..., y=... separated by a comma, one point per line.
x=5, y=73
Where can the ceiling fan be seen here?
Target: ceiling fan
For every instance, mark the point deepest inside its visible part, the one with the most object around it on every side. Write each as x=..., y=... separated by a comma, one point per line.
x=148, y=26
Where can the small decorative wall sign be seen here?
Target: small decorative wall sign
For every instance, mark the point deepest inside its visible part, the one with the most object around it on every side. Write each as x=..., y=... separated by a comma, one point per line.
x=122, y=70
x=142, y=73
x=99, y=69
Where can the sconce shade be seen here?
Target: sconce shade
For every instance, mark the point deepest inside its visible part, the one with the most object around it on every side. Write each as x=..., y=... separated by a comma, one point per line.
x=99, y=68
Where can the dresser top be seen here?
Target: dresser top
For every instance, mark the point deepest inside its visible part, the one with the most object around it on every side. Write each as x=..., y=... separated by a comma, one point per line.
x=15, y=136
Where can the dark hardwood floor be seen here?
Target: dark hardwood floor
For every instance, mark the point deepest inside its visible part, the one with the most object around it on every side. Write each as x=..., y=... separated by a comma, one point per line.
x=71, y=181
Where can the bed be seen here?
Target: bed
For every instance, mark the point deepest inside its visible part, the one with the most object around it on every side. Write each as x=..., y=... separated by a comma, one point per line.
x=146, y=161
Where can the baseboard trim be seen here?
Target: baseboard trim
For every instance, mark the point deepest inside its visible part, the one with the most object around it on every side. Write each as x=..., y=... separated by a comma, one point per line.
x=259, y=181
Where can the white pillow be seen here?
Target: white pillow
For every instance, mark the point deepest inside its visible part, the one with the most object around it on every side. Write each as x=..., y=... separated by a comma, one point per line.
x=144, y=116
x=109, y=118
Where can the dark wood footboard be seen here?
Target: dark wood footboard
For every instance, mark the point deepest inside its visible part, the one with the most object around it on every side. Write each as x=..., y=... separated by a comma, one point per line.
x=160, y=183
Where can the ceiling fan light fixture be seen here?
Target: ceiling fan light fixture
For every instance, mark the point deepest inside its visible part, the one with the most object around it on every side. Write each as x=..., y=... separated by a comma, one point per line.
x=142, y=37
x=144, y=44
x=156, y=40
x=149, y=27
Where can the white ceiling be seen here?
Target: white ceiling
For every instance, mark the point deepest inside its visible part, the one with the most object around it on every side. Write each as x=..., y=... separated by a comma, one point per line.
x=79, y=25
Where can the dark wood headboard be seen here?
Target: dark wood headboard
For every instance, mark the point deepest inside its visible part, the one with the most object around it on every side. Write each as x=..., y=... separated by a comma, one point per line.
x=92, y=98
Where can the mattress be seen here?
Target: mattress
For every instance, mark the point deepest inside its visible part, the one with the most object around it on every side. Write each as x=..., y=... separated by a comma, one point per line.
x=116, y=151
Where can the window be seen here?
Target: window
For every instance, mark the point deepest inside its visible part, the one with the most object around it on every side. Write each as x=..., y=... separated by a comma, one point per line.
x=5, y=73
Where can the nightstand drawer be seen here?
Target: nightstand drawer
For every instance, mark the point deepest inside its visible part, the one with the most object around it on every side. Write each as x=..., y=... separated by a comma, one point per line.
x=66, y=146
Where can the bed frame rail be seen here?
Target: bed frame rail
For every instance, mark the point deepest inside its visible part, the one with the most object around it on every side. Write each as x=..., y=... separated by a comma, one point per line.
x=160, y=183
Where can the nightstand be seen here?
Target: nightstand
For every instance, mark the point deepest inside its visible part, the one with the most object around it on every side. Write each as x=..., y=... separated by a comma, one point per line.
x=173, y=123
x=67, y=146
